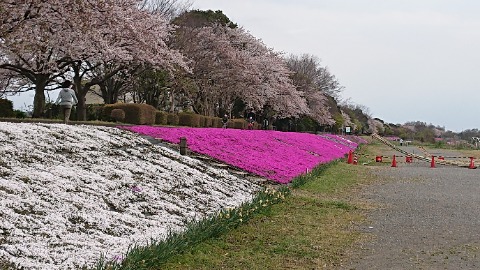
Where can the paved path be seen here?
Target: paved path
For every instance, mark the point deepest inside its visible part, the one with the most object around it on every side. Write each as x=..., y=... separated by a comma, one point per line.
x=427, y=218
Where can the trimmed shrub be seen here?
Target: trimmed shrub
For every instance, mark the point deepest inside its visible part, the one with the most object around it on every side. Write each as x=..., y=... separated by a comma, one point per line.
x=118, y=115
x=94, y=112
x=20, y=114
x=217, y=122
x=209, y=121
x=137, y=114
x=203, y=121
x=237, y=123
x=6, y=108
x=161, y=118
x=189, y=119
x=172, y=119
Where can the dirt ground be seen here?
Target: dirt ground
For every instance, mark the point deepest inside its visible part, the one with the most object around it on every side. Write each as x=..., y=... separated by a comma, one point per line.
x=424, y=218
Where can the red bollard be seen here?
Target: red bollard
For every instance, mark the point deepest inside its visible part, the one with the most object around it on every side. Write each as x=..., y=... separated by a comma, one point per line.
x=472, y=165
x=350, y=157
x=432, y=165
x=394, y=162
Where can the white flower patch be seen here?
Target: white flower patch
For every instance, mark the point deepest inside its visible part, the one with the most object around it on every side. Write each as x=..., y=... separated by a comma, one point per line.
x=70, y=193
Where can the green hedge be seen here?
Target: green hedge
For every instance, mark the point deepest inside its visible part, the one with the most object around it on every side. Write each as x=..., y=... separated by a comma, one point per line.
x=137, y=114
x=6, y=108
x=161, y=118
x=189, y=119
x=237, y=123
x=94, y=112
x=217, y=122
x=172, y=119
x=118, y=115
x=209, y=121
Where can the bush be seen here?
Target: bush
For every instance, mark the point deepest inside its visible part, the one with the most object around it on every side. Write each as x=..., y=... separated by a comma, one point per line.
x=118, y=115
x=237, y=123
x=161, y=118
x=172, y=119
x=189, y=119
x=209, y=121
x=94, y=112
x=20, y=114
x=6, y=108
x=307, y=124
x=203, y=121
x=217, y=122
x=137, y=114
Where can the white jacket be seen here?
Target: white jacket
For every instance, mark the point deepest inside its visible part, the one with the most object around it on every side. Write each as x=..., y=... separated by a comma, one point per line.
x=66, y=97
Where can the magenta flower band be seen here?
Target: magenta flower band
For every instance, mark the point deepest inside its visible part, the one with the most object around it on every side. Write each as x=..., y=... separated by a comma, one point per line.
x=278, y=156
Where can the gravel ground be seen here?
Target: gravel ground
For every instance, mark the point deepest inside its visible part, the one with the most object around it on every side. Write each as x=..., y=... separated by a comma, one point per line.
x=424, y=218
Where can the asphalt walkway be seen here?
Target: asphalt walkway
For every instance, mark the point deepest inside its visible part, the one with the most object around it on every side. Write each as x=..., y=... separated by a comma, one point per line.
x=425, y=218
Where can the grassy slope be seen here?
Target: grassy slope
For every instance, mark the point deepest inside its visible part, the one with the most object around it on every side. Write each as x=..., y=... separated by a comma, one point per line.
x=311, y=229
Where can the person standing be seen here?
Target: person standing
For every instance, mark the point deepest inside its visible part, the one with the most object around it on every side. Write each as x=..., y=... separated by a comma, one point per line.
x=250, y=119
x=265, y=123
x=250, y=114
x=66, y=98
x=225, y=121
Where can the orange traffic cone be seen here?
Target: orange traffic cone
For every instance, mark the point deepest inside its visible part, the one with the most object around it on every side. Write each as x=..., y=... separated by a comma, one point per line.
x=350, y=157
x=432, y=164
x=472, y=165
x=394, y=162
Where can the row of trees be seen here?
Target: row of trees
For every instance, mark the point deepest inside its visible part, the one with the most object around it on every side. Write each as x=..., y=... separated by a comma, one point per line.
x=161, y=53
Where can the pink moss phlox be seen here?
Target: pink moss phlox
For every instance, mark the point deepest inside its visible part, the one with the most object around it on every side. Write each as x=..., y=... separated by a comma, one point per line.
x=136, y=189
x=392, y=138
x=279, y=156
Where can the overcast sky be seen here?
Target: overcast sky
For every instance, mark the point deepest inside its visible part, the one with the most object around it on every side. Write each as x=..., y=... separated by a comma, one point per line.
x=406, y=60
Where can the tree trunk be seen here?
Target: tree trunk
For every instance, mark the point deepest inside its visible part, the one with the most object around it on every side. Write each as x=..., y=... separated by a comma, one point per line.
x=81, y=92
x=81, y=105
x=172, y=101
x=39, y=99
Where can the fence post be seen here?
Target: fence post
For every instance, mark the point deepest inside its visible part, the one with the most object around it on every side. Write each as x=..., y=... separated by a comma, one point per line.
x=183, y=146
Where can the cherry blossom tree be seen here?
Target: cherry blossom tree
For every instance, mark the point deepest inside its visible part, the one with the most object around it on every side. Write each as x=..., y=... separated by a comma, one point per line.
x=229, y=65
x=30, y=33
x=73, y=36
x=167, y=8
x=315, y=82
x=268, y=77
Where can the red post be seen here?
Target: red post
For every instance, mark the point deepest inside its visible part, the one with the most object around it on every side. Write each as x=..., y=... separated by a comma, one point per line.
x=432, y=165
x=394, y=162
x=472, y=165
x=350, y=157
